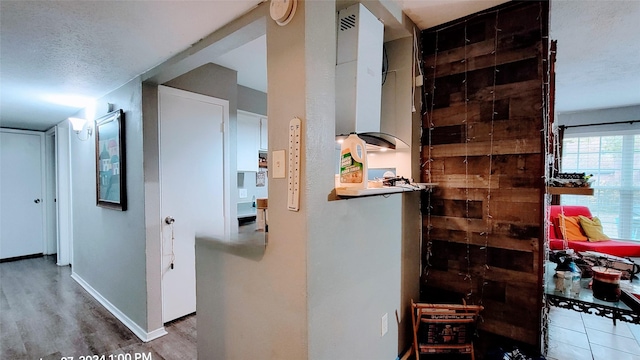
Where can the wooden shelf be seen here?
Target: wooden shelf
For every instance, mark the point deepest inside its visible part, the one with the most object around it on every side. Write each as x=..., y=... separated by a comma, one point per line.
x=385, y=190
x=556, y=190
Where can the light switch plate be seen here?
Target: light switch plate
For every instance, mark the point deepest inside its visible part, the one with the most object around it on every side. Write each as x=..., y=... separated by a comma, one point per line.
x=242, y=193
x=278, y=164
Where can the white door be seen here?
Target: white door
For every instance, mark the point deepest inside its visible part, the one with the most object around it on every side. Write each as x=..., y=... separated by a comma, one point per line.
x=21, y=193
x=192, y=174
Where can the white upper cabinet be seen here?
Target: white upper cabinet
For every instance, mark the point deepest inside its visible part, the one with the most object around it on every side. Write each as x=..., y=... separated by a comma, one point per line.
x=248, y=141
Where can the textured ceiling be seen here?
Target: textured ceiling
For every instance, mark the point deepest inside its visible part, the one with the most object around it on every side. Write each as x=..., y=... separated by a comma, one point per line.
x=52, y=51
x=56, y=51
x=598, y=57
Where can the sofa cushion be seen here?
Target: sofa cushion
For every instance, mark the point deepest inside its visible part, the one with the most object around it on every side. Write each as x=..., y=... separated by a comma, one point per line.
x=593, y=229
x=570, y=228
x=567, y=210
x=615, y=247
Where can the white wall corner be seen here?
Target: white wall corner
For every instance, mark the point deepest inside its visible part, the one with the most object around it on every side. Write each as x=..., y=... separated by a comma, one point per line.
x=63, y=185
x=124, y=319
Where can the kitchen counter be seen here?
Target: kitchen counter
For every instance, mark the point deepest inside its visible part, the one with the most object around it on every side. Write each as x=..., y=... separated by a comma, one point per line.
x=246, y=209
x=247, y=243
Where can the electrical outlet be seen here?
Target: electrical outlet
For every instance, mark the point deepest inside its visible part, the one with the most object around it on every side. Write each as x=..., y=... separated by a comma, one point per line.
x=384, y=324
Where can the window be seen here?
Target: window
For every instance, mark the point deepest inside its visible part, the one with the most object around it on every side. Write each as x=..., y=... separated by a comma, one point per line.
x=614, y=162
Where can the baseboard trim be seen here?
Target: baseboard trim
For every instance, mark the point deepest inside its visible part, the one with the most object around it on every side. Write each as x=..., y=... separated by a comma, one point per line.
x=156, y=334
x=124, y=319
x=23, y=257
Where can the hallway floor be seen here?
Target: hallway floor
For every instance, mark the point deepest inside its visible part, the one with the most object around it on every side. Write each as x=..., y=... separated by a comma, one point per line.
x=579, y=336
x=46, y=314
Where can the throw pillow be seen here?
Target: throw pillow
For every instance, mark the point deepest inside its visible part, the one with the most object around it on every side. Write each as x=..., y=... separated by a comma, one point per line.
x=593, y=229
x=570, y=228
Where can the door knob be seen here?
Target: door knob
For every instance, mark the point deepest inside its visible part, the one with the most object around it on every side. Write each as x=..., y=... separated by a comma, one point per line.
x=169, y=220
x=37, y=201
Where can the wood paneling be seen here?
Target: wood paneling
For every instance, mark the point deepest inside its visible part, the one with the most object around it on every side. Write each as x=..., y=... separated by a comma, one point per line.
x=521, y=164
x=483, y=144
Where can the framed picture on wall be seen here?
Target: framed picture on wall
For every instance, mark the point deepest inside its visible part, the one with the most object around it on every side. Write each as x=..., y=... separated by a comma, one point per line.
x=261, y=177
x=111, y=182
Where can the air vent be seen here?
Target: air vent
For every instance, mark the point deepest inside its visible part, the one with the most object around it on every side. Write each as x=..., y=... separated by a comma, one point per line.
x=347, y=22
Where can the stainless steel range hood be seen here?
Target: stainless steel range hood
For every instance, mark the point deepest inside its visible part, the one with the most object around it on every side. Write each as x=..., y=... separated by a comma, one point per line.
x=359, y=77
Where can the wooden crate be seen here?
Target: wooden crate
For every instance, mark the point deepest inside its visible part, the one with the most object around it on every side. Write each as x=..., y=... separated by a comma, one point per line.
x=443, y=328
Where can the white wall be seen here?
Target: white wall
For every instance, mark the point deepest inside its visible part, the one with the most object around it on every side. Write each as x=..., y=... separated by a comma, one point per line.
x=109, y=246
x=354, y=278
x=397, y=111
x=600, y=116
x=253, y=191
x=152, y=214
x=400, y=119
x=251, y=100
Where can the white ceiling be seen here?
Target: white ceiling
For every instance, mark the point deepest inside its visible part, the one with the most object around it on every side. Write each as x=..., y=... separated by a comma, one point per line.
x=77, y=48
x=430, y=13
x=58, y=54
x=250, y=60
x=598, y=58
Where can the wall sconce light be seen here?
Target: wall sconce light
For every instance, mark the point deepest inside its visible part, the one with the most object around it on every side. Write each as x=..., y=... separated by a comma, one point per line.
x=78, y=124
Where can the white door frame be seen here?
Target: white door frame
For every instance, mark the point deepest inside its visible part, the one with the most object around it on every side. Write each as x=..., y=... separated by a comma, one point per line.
x=225, y=161
x=51, y=209
x=63, y=190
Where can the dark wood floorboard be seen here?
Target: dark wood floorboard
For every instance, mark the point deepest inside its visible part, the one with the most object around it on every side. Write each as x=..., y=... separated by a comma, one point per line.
x=46, y=314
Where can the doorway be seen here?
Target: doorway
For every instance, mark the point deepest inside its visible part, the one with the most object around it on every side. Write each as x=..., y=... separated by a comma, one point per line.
x=192, y=197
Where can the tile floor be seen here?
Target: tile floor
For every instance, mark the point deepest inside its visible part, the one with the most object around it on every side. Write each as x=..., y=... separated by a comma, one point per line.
x=579, y=336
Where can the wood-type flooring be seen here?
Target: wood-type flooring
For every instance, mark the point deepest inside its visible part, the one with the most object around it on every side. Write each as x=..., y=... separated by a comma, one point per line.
x=45, y=314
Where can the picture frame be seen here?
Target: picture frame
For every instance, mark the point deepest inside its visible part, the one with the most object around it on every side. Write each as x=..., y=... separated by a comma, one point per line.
x=111, y=190
x=261, y=178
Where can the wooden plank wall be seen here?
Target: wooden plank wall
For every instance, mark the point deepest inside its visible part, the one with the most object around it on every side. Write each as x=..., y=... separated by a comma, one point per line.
x=482, y=224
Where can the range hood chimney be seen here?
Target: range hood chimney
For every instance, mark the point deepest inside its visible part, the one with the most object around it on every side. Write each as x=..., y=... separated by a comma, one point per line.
x=359, y=76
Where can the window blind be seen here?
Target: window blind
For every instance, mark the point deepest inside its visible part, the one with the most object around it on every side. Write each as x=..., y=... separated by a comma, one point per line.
x=613, y=158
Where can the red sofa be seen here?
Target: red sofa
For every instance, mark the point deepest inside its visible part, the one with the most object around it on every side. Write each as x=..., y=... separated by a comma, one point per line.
x=616, y=247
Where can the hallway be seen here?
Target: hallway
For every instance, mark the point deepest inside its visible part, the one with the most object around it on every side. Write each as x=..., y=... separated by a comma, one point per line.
x=45, y=314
